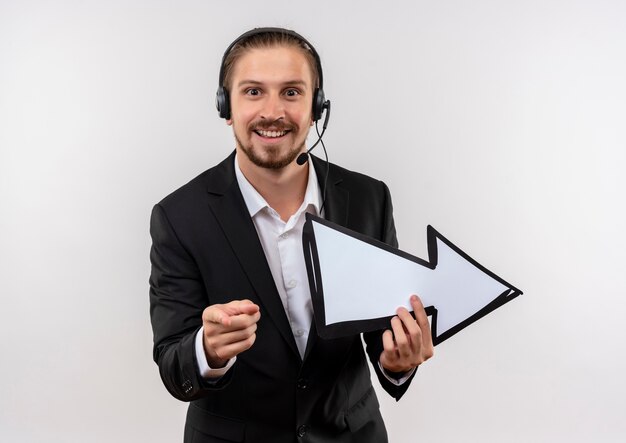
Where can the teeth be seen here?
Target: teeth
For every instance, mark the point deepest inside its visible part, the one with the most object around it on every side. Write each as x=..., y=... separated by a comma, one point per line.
x=271, y=134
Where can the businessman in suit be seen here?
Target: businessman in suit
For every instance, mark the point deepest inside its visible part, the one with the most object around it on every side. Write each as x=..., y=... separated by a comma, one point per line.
x=229, y=300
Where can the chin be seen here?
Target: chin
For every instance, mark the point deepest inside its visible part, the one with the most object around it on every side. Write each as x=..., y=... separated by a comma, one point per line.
x=270, y=158
x=274, y=162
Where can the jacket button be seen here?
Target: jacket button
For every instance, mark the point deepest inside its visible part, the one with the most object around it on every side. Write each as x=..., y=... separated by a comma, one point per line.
x=302, y=383
x=302, y=431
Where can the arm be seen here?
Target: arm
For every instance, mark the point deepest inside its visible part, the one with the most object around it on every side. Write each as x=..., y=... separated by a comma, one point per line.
x=179, y=309
x=397, y=355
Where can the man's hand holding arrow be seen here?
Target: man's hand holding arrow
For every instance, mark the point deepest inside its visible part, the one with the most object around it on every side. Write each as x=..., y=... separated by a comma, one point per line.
x=409, y=343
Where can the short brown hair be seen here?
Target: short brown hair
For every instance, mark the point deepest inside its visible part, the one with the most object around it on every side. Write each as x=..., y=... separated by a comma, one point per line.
x=266, y=40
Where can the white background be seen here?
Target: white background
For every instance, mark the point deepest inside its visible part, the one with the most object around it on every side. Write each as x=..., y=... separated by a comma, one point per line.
x=500, y=123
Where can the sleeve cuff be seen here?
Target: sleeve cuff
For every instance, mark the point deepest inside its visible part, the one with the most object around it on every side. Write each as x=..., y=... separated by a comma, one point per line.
x=205, y=370
x=396, y=381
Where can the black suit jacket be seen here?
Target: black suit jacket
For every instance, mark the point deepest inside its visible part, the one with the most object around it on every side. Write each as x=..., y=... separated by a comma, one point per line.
x=206, y=250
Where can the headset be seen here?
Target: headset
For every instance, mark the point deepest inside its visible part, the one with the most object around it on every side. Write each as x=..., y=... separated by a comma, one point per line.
x=222, y=98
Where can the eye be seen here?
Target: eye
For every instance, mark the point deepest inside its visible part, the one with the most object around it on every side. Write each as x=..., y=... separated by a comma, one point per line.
x=291, y=92
x=253, y=91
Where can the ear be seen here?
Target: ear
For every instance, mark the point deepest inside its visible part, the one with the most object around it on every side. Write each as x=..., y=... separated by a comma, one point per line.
x=229, y=122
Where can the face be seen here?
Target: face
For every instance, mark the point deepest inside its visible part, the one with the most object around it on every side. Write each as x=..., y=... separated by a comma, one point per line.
x=271, y=98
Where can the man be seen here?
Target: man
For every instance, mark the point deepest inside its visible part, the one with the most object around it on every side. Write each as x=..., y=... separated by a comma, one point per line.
x=230, y=305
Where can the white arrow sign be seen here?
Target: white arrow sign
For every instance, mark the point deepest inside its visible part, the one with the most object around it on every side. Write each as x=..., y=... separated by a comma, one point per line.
x=357, y=283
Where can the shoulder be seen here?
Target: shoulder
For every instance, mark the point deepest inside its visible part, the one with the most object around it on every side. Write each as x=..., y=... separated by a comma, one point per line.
x=353, y=178
x=217, y=178
x=356, y=183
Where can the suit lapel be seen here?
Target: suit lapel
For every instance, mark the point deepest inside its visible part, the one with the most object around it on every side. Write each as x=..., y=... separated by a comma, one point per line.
x=337, y=198
x=335, y=210
x=230, y=210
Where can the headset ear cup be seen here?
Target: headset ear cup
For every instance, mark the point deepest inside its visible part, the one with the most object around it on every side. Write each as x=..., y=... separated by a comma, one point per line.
x=318, y=104
x=222, y=102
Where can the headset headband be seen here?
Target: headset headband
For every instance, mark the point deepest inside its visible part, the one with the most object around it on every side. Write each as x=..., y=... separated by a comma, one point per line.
x=258, y=31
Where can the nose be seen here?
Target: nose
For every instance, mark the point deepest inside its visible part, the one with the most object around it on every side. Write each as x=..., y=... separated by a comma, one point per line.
x=273, y=107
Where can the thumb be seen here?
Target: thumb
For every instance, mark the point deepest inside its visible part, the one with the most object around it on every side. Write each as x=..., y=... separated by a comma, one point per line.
x=247, y=307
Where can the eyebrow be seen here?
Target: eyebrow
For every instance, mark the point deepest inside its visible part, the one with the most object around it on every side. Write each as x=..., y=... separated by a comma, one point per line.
x=300, y=83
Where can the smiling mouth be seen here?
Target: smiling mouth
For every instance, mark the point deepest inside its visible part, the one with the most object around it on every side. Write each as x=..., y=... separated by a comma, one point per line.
x=270, y=134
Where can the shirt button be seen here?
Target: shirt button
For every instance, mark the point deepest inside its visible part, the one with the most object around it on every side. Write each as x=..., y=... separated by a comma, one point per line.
x=292, y=284
x=299, y=333
x=302, y=431
x=284, y=235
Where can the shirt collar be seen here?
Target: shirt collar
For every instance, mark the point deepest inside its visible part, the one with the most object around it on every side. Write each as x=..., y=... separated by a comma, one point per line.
x=255, y=201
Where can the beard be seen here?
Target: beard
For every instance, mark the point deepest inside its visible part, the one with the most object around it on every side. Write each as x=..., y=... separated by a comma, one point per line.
x=270, y=157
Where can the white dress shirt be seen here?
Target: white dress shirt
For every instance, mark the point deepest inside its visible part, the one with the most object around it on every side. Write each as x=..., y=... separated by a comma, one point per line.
x=282, y=244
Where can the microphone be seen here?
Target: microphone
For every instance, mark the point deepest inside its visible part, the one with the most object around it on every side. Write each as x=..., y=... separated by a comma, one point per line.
x=304, y=157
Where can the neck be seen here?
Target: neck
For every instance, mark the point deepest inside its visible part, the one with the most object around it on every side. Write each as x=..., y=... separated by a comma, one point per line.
x=283, y=189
